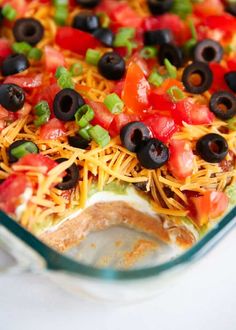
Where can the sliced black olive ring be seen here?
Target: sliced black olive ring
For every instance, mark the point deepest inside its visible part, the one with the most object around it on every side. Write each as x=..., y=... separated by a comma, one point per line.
x=197, y=77
x=111, y=66
x=66, y=103
x=230, y=79
x=157, y=37
x=105, y=35
x=86, y=22
x=153, y=154
x=71, y=178
x=212, y=147
x=88, y=3
x=78, y=141
x=223, y=105
x=208, y=51
x=133, y=134
x=159, y=7
x=12, y=97
x=14, y=63
x=29, y=30
x=172, y=53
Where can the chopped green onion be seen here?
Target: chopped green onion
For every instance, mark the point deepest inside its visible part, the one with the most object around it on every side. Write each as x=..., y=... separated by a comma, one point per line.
x=99, y=135
x=64, y=78
x=35, y=54
x=84, y=115
x=84, y=132
x=155, y=78
x=104, y=19
x=24, y=149
x=92, y=56
x=21, y=47
x=182, y=8
x=192, y=29
x=76, y=69
x=60, y=3
x=123, y=39
x=232, y=124
x=175, y=93
x=61, y=70
x=148, y=52
x=42, y=112
x=9, y=12
x=114, y=103
x=172, y=71
x=61, y=14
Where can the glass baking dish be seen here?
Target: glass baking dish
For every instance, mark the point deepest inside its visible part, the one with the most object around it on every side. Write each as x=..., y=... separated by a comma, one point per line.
x=83, y=276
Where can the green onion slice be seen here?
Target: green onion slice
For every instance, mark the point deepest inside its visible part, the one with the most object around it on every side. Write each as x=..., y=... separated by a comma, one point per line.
x=155, y=78
x=114, y=103
x=175, y=93
x=84, y=115
x=24, y=149
x=99, y=135
x=42, y=112
x=148, y=52
x=92, y=56
x=84, y=132
x=172, y=71
x=9, y=12
x=76, y=69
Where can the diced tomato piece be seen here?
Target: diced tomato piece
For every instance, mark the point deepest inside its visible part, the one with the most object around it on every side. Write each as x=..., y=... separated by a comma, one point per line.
x=150, y=23
x=52, y=130
x=36, y=160
x=5, y=48
x=75, y=40
x=48, y=94
x=210, y=205
x=218, y=76
x=179, y=28
x=119, y=87
x=53, y=59
x=161, y=102
x=102, y=116
x=136, y=89
x=143, y=64
x=231, y=63
x=3, y=113
x=11, y=191
x=161, y=127
x=181, y=162
x=125, y=16
x=192, y=113
x=120, y=121
x=208, y=7
x=26, y=82
x=223, y=22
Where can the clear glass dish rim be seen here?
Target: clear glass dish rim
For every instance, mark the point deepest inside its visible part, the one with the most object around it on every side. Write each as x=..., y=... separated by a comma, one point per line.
x=58, y=262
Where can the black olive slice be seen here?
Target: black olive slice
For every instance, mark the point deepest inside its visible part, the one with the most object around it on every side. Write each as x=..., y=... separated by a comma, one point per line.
x=12, y=97
x=223, y=105
x=133, y=134
x=14, y=63
x=159, y=7
x=157, y=37
x=29, y=30
x=66, y=103
x=153, y=154
x=88, y=3
x=13, y=159
x=105, y=35
x=230, y=79
x=111, y=66
x=78, y=141
x=212, y=147
x=208, y=51
x=71, y=178
x=86, y=22
x=173, y=53
x=197, y=77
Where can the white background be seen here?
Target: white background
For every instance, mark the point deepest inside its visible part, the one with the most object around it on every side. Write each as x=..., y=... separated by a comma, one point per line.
x=203, y=299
